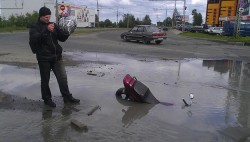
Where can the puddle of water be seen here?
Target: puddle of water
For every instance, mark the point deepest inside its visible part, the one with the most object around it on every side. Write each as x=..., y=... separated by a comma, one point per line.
x=221, y=100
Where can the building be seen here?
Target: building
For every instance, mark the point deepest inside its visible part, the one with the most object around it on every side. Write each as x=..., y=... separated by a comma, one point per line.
x=219, y=11
x=85, y=17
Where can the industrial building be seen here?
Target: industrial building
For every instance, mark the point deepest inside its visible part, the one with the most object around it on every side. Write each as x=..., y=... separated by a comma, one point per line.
x=85, y=16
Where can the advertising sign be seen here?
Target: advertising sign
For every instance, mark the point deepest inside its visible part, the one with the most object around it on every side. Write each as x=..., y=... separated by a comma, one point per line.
x=80, y=13
x=180, y=18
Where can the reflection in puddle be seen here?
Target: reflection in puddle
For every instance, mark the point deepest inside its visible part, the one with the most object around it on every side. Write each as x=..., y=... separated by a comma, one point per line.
x=221, y=89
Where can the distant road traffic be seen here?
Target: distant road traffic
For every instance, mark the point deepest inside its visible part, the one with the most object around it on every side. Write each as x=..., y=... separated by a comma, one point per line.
x=14, y=47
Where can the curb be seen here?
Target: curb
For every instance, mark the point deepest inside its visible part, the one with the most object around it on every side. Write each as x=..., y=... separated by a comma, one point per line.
x=219, y=41
x=222, y=41
x=237, y=43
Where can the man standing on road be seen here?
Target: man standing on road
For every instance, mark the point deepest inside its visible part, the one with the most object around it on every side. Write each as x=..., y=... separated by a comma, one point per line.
x=43, y=40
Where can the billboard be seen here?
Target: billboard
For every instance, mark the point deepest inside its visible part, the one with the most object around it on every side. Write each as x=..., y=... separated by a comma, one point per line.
x=85, y=17
x=81, y=13
x=180, y=18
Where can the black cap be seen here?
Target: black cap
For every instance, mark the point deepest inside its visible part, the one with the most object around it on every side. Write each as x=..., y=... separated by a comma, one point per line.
x=44, y=11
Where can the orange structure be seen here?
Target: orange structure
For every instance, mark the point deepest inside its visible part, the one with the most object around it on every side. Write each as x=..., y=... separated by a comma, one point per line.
x=219, y=11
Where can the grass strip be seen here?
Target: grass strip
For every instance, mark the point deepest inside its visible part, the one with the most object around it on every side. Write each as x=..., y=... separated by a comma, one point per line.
x=217, y=37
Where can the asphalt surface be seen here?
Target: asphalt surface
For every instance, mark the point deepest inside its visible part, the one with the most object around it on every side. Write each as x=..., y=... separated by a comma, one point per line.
x=14, y=47
x=221, y=89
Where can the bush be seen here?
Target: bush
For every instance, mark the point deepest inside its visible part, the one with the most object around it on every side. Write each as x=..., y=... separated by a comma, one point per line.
x=17, y=22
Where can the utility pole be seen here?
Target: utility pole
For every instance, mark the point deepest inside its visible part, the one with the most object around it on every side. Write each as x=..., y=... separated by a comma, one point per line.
x=117, y=14
x=166, y=17
x=174, y=16
x=238, y=19
x=97, y=4
x=128, y=21
x=166, y=14
x=184, y=17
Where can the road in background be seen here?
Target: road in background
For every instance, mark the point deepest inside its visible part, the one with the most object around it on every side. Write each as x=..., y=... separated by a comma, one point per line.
x=14, y=47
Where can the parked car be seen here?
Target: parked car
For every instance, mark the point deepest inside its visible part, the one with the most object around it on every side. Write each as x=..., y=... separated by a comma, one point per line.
x=145, y=34
x=186, y=27
x=209, y=30
x=197, y=29
x=216, y=30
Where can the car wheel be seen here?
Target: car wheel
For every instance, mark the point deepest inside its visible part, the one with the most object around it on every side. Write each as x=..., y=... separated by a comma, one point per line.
x=125, y=38
x=158, y=41
x=145, y=40
x=121, y=93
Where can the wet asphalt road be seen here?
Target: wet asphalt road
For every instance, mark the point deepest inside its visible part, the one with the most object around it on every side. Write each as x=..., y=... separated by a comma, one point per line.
x=16, y=47
x=174, y=47
x=220, y=111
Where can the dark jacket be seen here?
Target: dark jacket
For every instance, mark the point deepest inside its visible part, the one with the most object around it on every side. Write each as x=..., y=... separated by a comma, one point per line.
x=44, y=43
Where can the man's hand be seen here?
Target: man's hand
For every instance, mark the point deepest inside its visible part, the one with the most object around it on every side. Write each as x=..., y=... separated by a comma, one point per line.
x=51, y=27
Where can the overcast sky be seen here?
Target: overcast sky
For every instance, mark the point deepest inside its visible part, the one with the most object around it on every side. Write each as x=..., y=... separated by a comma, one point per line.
x=139, y=8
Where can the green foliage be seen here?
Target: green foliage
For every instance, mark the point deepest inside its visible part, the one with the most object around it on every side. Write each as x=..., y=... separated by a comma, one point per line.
x=216, y=37
x=32, y=18
x=129, y=21
x=146, y=20
x=96, y=18
x=197, y=18
x=107, y=24
x=18, y=22
x=167, y=22
x=24, y=21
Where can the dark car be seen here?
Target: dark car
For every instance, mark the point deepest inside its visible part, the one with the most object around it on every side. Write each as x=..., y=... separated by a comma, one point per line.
x=145, y=34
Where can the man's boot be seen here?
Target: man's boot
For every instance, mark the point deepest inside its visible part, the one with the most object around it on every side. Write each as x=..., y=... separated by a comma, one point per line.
x=70, y=99
x=50, y=103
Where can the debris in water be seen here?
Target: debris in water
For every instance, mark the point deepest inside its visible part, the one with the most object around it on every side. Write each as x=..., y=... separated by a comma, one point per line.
x=78, y=124
x=93, y=110
x=91, y=73
x=186, y=104
x=100, y=74
x=191, y=96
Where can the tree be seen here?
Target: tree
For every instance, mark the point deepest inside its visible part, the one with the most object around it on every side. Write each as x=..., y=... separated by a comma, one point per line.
x=197, y=18
x=128, y=21
x=167, y=22
x=1, y=21
x=32, y=18
x=108, y=23
x=121, y=24
x=97, y=20
x=138, y=22
x=11, y=20
x=146, y=20
x=21, y=21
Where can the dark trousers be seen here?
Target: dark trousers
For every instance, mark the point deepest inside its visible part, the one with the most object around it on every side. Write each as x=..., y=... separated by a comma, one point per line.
x=61, y=76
